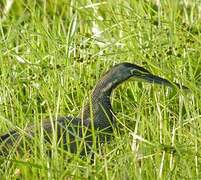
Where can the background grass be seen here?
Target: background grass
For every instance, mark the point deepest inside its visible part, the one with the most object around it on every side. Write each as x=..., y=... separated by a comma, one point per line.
x=53, y=53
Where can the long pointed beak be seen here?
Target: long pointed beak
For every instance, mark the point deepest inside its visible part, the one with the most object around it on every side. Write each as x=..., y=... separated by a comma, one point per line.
x=158, y=80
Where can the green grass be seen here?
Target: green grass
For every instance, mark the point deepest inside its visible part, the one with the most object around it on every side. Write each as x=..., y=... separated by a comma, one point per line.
x=51, y=59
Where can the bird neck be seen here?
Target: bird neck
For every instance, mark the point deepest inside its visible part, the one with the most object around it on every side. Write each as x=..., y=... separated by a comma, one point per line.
x=100, y=104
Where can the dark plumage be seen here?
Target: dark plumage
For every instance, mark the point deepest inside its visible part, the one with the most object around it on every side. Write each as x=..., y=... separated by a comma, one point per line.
x=71, y=130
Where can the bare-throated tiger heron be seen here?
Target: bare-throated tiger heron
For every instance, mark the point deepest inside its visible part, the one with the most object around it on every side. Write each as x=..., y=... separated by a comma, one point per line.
x=70, y=130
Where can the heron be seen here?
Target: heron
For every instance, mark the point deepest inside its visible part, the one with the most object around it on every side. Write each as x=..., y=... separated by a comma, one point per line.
x=97, y=116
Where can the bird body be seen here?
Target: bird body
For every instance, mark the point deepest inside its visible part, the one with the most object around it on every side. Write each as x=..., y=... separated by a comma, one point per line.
x=97, y=115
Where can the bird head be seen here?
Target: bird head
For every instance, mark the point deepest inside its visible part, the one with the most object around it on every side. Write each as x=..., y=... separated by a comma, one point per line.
x=132, y=71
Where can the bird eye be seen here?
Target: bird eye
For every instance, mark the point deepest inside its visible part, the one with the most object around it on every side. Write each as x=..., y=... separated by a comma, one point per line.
x=139, y=73
x=136, y=72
